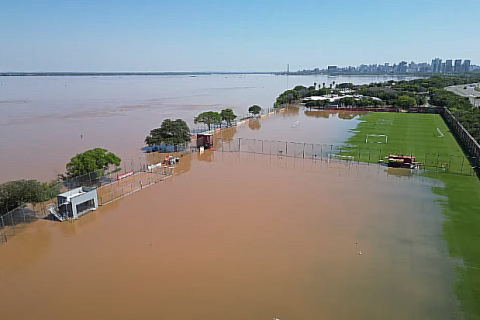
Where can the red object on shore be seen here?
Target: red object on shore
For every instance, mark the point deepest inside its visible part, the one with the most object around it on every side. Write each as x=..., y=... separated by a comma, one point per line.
x=401, y=161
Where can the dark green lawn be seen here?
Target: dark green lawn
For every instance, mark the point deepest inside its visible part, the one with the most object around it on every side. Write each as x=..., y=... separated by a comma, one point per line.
x=417, y=134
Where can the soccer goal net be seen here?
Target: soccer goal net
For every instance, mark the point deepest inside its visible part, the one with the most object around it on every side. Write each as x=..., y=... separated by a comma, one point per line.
x=439, y=133
x=385, y=122
x=336, y=156
x=376, y=138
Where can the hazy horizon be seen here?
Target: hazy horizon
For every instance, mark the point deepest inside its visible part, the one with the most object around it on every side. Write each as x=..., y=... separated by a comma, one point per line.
x=217, y=36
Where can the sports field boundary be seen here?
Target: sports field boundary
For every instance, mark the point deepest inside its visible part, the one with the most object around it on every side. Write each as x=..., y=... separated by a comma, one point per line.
x=434, y=162
x=463, y=137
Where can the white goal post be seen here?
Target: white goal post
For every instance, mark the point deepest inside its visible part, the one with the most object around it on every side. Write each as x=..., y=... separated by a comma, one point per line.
x=376, y=138
x=340, y=157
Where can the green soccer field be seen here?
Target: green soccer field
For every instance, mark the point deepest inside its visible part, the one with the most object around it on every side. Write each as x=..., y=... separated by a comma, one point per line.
x=417, y=134
x=424, y=136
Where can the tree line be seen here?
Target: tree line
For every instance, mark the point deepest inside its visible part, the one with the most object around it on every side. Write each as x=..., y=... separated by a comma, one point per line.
x=177, y=133
x=399, y=94
x=16, y=193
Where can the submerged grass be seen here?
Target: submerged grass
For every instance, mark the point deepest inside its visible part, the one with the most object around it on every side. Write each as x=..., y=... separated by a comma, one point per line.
x=427, y=137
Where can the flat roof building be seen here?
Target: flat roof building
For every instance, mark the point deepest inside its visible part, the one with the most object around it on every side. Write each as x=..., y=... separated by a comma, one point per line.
x=77, y=202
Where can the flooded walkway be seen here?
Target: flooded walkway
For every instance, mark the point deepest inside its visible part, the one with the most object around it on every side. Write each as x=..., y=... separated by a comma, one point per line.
x=241, y=236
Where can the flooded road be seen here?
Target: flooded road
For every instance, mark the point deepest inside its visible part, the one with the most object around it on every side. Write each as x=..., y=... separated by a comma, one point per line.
x=241, y=236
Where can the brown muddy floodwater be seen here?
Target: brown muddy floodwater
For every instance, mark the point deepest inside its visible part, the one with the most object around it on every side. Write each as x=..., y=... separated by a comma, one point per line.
x=241, y=236
x=45, y=121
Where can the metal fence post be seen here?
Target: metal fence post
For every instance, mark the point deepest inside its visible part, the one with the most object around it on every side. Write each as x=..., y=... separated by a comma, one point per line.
x=23, y=212
x=13, y=223
x=3, y=229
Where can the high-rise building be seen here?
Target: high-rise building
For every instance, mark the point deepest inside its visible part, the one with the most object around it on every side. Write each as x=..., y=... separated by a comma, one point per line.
x=448, y=66
x=466, y=66
x=458, y=65
x=423, y=67
x=402, y=67
x=436, y=65
x=332, y=68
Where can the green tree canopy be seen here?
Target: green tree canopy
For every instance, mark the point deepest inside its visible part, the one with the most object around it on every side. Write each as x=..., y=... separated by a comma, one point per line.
x=208, y=118
x=172, y=133
x=300, y=88
x=91, y=160
x=345, y=85
x=16, y=193
x=255, y=109
x=348, y=101
x=405, y=102
x=287, y=97
x=228, y=116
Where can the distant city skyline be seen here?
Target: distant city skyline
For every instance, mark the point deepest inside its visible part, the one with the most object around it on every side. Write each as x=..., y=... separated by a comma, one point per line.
x=436, y=66
x=214, y=35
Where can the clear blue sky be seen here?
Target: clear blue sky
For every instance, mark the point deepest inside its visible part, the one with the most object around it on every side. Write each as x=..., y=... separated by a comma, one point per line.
x=223, y=35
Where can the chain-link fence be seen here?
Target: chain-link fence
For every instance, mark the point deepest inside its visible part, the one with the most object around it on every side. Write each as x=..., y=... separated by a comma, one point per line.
x=110, y=187
x=344, y=153
x=465, y=139
x=137, y=182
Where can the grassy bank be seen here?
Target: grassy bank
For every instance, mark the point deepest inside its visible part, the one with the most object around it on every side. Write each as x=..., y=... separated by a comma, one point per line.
x=417, y=134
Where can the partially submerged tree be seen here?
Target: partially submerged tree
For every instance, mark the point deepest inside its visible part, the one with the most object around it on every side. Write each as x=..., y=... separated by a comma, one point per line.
x=228, y=116
x=208, y=118
x=255, y=109
x=171, y=133
x=16, y=193
x=91, y=160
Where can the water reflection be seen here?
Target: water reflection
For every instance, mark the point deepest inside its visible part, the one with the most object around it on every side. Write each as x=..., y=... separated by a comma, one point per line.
x=291, y=110
x=347, y=115
x=326, y=114
x=254, y=124
x=207, y=155
x=399, y=172
x=318, y=114
x=228, y=134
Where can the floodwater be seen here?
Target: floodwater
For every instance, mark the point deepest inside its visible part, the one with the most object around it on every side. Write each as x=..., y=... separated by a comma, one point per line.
x=45, y=121
x=230, y=235
x=241, y=236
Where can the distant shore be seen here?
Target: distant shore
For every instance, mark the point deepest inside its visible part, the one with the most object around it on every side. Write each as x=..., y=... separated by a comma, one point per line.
x=44, y=74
